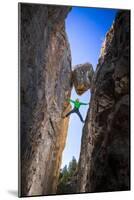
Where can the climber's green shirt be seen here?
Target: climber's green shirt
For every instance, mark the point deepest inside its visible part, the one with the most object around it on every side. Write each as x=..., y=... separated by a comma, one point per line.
x=76, y=103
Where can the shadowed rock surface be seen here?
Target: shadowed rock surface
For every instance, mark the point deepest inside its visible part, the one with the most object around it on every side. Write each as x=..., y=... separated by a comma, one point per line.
x=82, y=77
x=104, y=159
x=45, y=67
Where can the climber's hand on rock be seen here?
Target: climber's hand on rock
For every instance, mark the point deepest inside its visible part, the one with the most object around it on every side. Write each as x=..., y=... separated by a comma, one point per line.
x=65, y=104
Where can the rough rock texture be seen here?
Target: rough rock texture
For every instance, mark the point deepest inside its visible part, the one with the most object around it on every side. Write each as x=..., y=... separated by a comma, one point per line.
x=104, y=159
x=45, y=66
x=82, y=77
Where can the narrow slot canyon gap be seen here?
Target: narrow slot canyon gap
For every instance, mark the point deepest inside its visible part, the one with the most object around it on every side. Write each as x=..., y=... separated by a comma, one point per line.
x=47, y=79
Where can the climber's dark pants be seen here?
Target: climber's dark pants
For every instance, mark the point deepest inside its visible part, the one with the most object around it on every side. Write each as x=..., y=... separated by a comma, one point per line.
x=75, y=110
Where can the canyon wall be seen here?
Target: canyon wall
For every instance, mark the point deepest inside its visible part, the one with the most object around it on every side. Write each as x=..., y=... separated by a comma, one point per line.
x=104, y=158
x=45, y=81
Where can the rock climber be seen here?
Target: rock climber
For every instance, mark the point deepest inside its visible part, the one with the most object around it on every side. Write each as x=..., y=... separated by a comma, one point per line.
x=77, y=105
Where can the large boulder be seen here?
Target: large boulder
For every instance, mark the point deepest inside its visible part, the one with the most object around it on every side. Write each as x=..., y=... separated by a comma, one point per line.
x=82, y=77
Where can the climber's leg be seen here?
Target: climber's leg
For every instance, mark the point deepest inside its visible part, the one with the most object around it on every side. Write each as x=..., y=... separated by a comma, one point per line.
x=72, y=111
x=80, y=116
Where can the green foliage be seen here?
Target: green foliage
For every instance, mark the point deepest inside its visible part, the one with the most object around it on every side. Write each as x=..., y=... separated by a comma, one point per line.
x=72, y=166
x=65, y=176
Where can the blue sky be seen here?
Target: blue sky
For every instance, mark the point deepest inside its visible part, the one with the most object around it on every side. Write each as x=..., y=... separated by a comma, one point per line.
x=86, y=29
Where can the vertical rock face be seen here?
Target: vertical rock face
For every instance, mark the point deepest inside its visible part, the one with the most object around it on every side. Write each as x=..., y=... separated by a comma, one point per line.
x=45, y=67
x=104, y=158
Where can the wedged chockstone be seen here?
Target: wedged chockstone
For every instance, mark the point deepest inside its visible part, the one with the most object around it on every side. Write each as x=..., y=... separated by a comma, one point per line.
x=82, y=77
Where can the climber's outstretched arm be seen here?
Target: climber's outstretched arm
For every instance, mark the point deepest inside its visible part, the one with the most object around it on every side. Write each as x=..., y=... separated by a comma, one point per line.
x=84, y=103
x=70, y=100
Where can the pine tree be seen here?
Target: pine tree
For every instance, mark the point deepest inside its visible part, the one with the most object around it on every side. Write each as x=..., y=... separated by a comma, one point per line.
x=72, y=166
x=65, y=176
